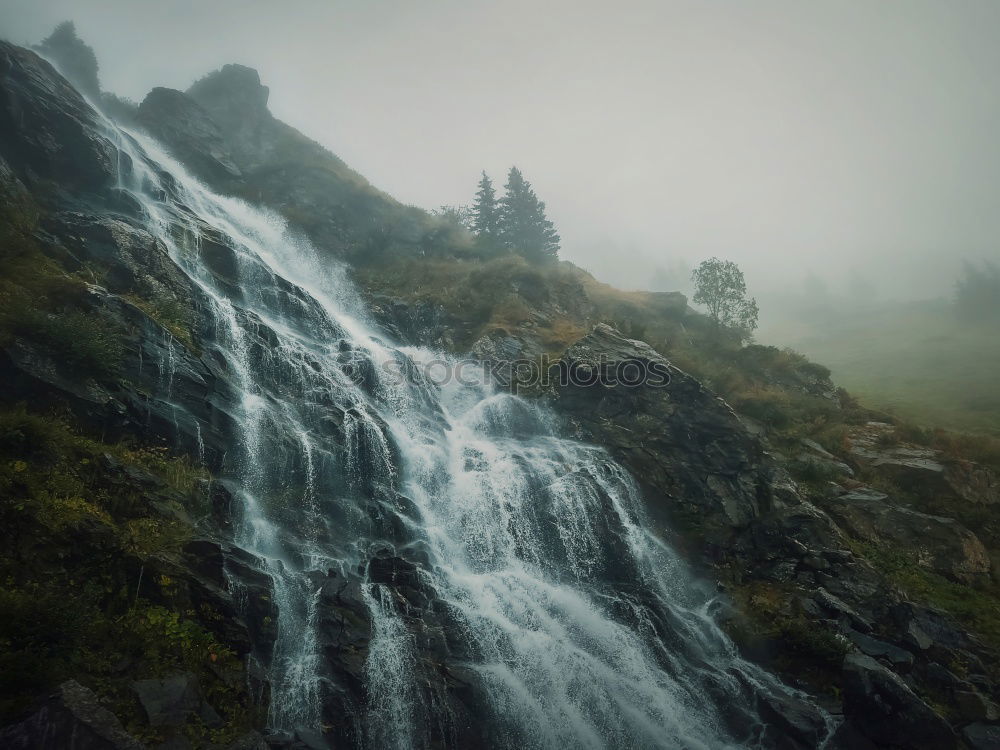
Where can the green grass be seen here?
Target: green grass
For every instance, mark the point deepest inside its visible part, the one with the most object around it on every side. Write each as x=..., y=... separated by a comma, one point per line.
x=78, y=538
x=915, y=361
x=975, y=607
x=43, y=304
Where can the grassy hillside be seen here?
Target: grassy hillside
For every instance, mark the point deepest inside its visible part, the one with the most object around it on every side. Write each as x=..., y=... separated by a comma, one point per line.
x=914, y=360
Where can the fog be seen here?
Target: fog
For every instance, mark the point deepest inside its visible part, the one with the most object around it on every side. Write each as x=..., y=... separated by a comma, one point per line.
x=820, y=142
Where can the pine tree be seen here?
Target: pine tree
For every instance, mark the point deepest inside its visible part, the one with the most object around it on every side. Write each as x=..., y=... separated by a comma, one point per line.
x=524, y=227
x=486, y=213
x=74, y=58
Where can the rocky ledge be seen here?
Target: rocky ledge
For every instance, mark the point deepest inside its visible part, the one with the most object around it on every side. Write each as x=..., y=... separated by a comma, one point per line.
x=809, y=602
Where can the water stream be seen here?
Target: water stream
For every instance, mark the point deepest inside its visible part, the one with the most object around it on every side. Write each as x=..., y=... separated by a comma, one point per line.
x=584, y=629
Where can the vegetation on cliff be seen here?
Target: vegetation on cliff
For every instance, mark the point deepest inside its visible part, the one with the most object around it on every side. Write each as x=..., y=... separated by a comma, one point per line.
x=97, y=528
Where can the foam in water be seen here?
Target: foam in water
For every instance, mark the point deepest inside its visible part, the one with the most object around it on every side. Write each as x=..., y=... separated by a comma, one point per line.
x=584, y=628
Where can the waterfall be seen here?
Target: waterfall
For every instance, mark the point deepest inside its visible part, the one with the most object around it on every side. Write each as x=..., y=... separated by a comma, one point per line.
x=580, y=626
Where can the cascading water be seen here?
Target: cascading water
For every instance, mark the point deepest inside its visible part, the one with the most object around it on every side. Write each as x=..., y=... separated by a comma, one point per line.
x=582, y=628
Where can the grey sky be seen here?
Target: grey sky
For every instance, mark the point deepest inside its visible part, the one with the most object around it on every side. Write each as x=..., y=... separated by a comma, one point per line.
x=792, y=137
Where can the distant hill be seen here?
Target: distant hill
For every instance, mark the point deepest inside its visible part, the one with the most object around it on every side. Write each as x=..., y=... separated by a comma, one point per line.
x=915, y=360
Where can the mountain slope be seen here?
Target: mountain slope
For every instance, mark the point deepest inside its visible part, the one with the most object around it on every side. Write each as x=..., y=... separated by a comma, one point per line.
x=820, y=570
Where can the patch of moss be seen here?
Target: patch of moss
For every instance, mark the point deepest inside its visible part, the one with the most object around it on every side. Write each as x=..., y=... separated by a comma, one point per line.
x=170, y=314
x=82, y=590
x=774, y=630
x=41, y=303
x=975, y=608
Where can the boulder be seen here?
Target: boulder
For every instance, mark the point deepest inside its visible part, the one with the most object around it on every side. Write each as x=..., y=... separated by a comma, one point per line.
x=841, y=611
x=249, y=741
x=939, y=544
x=189, y=133
x=171, y=701
x=873, y=647
x=793, y=717
x=976, y=484
x=981, y=736
x=70, y=719
x=819, y=461
x=880, y=706
x=974, y=706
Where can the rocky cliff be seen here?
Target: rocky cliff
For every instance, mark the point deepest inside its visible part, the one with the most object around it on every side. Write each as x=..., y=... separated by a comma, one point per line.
x=860, y=570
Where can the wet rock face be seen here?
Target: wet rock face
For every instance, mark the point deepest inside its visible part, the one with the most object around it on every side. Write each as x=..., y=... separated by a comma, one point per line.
x=942, y=545
x=347, y=631
x=749, y=524
x=688, y=449
x=923, y=471
x=234, y=97
x=190, y=133
x=882, y=708
x=47, y=129
x=173, y=385
x=171, y=701
x=70, y=719
x=417, y=323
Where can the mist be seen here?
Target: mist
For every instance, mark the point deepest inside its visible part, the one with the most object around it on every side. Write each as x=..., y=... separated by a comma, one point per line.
x=824, y=141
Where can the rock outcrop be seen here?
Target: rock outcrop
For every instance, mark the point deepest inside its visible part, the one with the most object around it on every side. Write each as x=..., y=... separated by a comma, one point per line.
x=793, y=559
x=883, y=709
x=942, y=545
x=192, y=134
x=687, y=448
x=744, y=520
x=70, y=719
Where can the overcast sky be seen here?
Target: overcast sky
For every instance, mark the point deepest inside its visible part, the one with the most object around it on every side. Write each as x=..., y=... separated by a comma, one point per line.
x=792, y=137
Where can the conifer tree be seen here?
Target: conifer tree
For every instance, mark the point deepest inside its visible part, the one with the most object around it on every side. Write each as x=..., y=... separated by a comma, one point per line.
x=524, y=227
x=486, y=212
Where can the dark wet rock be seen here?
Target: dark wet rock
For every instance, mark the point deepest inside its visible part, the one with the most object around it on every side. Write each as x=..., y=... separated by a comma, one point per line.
x=418, y=322
x=687, y=448
x=70, y=719
x=882, y=708
x=220, y=258
x=189, y=133
x=280, y=739
x=235, y=99
x=47, y=130
x=310, y=739
x=916, y=637
x=792, y=719
x=980, y=736
x=835, y=606
x=974, y=706
x=928, y=626
x=898, y=657
x=941, y=677
x=170, y=701
x=134, y=260
x=249, y=741
x=940, y=544
x=501, y=346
